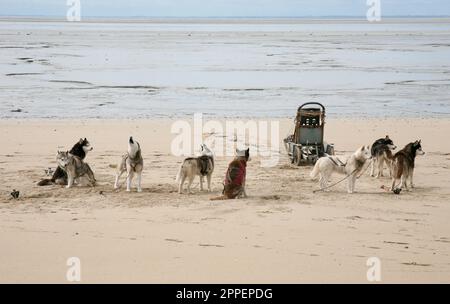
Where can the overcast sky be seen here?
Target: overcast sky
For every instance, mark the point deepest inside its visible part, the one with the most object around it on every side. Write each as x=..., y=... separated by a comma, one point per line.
x=224, y=8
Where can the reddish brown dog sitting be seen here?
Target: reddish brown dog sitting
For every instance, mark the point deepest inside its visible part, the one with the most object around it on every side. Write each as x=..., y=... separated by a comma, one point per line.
x=234, y=183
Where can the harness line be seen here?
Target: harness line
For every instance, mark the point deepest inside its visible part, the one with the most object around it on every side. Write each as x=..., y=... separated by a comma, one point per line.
x=340, y=181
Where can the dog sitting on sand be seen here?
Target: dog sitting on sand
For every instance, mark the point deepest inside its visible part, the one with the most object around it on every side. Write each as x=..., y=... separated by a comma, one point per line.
x=325, y=166
x=193, y=166
x=381, y=151
x=74, y=167
x=132, y=162
x=234, y=183
x=403, y=165
x=80, y=149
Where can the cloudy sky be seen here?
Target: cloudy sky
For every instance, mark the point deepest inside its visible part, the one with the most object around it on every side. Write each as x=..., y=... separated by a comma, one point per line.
x=224, y=8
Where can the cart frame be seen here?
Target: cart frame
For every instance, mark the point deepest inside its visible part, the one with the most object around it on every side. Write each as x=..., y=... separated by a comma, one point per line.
x=306, y=145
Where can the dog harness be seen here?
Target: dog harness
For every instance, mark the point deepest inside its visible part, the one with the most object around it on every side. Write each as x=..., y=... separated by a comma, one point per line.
x=341, y=164
x=236, y=174
x=134, y=161
x=203, y=163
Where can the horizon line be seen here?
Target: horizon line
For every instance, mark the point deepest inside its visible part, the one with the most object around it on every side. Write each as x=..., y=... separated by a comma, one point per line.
x=230, y=17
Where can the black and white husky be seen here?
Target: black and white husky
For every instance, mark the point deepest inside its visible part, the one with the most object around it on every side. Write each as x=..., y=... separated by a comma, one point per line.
x=325, y=166
x=381, y=151
x=80, y=149
x=132, y=162
x=403, y=165
x=202, y=166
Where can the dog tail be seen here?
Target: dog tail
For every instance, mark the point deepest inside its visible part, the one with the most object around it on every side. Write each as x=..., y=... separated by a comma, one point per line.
x=218, y=198
x=315, y=170
x=45, y=182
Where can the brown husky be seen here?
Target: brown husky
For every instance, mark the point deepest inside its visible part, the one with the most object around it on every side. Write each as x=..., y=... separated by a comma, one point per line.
x=403, y=165
x=234, y=183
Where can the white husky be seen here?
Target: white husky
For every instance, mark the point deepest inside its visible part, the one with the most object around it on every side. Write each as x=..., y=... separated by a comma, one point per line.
x=326, y=165
x=192, y=166
x=131, y=162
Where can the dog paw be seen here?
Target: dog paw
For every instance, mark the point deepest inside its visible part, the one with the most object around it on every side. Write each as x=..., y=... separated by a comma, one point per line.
x=128, y=190
x=139, y=190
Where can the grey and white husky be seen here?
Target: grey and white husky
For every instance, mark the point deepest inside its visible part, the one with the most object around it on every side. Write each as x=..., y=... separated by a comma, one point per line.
x=326, y=165
x=80, y=149
x=132, y=162
x=74, y=167
x=202, y=166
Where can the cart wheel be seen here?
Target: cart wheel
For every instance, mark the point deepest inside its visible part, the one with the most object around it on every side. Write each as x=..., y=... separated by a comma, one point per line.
x=298, y=155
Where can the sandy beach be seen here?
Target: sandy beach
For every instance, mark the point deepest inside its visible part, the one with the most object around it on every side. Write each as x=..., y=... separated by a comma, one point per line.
x=281, y=233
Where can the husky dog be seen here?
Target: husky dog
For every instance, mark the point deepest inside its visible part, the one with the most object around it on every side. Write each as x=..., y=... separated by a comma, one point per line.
x=381, y=152
x=193, y=166
x=326, y=165
x=80, y=149
x=74, y=167
x=132, y=162
x=403, y=164
x=234, y=183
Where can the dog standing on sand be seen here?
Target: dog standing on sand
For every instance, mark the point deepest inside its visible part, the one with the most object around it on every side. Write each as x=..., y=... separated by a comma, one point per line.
x=234, y=183
x=193, y=166
x=59, y=177
x=403, y=165
x=132, y=162
x=381, y=151
x=325, y=166
x=74, y=167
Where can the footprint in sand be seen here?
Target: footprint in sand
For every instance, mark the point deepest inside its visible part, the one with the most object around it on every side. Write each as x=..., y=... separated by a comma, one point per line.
x=211, y=245
x=174, y=240
x=416, y=264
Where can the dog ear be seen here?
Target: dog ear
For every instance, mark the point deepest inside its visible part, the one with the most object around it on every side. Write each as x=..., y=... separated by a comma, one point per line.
x=80, y=141
x=387, y=136
x=420, y=141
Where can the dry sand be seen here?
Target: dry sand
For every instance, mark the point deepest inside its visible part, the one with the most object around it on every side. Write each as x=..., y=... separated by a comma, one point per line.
x=282, y=233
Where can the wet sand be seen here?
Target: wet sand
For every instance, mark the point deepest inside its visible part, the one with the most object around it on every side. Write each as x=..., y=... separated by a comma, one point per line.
x=397, y=68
